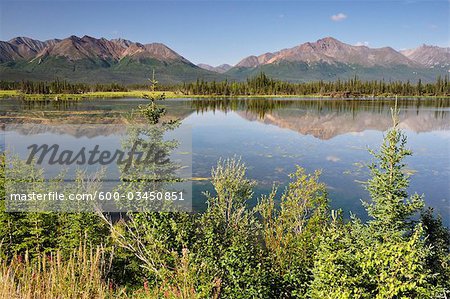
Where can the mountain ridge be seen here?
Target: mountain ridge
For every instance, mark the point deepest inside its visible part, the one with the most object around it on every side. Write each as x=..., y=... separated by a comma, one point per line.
x=218, y=69
x=331, y=59
x=89, y=59
x=101, y=60
x=429, y=55
x=330, y=50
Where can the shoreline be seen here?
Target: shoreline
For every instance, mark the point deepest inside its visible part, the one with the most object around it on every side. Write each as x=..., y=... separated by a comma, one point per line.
x=139, y=94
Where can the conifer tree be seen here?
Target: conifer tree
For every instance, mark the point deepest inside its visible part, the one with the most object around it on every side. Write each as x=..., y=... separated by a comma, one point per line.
x=391, y=208
x=387, y=257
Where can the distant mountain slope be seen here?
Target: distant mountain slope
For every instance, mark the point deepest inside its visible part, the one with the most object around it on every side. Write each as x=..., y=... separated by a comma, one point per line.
x=218, y=69
x=254, y=61
x=330, y=50
x=8, y=52
x=98, y=60
x=27, y=47
x=294, y=71
x=330, y=59
x=429, y=56
x=88, y=59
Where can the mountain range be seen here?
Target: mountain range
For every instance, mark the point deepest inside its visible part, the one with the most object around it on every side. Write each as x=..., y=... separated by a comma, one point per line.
x=88, y=59
x=223, y=68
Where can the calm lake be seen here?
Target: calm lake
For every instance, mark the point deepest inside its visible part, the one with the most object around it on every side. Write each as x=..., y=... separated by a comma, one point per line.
x=272, y=136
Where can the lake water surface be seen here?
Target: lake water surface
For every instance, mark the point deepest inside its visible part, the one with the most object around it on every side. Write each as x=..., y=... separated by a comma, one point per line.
x=272, y=136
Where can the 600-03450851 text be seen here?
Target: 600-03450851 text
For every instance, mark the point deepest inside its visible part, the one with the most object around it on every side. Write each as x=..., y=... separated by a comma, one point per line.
x=101, y=196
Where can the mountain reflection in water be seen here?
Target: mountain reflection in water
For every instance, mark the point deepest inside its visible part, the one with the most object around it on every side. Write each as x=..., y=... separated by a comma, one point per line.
x=272, y=136
x=325, y=119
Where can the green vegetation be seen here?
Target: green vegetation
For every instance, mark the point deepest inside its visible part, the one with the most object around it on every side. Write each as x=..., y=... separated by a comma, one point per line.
x=59, y=87
x=63, y=90
x=385, y=258
x=258, y=86
x=88, y=95
x=263, y=85
x=294, y=247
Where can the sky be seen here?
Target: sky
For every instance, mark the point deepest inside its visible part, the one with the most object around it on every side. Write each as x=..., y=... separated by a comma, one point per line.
x=216, y=32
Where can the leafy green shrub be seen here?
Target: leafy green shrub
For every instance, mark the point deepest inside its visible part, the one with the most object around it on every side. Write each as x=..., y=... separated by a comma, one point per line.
x=438, y=240
x=292, y=232
x=352, y=263
x=229, y=258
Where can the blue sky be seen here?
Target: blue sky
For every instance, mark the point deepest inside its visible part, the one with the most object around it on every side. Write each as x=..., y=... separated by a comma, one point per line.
x=216, y=32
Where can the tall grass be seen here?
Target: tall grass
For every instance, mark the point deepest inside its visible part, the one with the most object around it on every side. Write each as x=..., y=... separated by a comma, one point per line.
x=51, y=276
x=179, y=283
x=81, y=275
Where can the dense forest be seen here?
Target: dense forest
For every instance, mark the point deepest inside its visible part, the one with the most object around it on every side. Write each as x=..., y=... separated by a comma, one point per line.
x=289, y=247
x=263, y=85
x=59, y=87
x=259, y=85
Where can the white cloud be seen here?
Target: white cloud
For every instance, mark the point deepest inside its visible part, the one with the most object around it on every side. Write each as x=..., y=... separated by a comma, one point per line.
x=338, y=17
x=362, y=44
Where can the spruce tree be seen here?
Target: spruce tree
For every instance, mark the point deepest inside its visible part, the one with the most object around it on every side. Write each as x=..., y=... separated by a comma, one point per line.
x=387, y=257
x=391, y=209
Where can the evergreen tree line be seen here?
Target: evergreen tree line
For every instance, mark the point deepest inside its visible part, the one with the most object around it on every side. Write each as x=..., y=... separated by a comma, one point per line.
x=258, y=85
x=263, y=85
x=59, y=87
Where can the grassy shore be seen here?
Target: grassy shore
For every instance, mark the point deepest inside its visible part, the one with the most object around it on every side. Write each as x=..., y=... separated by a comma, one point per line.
x=69, y=96
x=168, y=94
x=131, y=94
